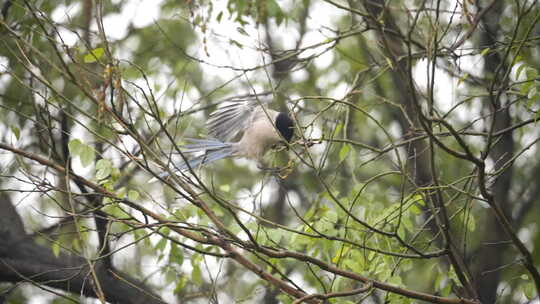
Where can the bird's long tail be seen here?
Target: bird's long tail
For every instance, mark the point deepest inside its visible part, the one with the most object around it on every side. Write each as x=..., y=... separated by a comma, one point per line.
x=213, y=150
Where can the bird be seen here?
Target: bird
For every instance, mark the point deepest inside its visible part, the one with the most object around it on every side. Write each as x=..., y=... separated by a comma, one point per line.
x=239, y=128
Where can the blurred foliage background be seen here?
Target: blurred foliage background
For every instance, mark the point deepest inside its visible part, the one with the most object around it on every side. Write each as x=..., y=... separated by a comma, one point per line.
x=413, y=177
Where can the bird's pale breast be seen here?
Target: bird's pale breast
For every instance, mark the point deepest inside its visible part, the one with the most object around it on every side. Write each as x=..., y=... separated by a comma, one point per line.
x=258, y=138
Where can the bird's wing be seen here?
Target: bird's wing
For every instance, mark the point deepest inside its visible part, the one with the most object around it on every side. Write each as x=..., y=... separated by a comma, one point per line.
x=232, y=118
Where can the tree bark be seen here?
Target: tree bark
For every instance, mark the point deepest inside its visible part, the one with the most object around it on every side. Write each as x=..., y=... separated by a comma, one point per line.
x=490, y=259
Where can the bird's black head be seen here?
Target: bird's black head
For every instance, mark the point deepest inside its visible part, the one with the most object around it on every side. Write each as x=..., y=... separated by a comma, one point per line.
x=285, y=126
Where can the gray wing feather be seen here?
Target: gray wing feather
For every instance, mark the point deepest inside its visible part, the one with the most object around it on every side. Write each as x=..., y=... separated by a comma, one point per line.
x=232, y=118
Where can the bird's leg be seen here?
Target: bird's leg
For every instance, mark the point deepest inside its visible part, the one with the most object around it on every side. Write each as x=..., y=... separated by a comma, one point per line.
x=281, y=172
x=284, y=173
x=280, y=146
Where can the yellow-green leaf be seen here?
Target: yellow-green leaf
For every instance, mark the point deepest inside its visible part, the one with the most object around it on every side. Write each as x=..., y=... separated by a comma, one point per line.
x=87, y=155
x=16, y=131
x=133, y=195
x=176, y=255
x=196, y=275
x=103, y=168
x=484, y=52
x=344, y=151
x=160, y=246
x=463, y=78
x=94, y=55
x=74, y=147
x=180, y=285
x=56, y=248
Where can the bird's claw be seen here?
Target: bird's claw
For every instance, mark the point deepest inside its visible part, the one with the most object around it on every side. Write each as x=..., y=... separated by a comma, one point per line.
x=281, y=172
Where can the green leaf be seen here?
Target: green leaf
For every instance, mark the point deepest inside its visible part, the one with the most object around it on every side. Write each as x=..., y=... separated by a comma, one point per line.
x=395, y=280
x=196, y=275
x=104, y=168
x=198, y=20
x=16, y=131
x=87, y=155
x=180, y=285
x=344, y=151
x=415, y=209
x=484, y=52
x=236, y=43
x=463, y=78
x=331, y=216
x=529, y=290
x=56, y=248
x=115, y=174
x=262, y=238
x=103, y=164
x=532, y=93
x=273, y=9
x=324, y=226
x=74, y=147
x=275, y=235
x=160, y=246
x=170, y=275
x=242, y=31
x=133, y=195
x=407, y=224
x=340, y=254
x=446, y=289
x=471, y=223
x=219, y=16
x=353, y=265
x=176, y=254
x=298, y=241
x=338, y=129
x=121, y=192
x=531, y=73
x=519, y=70
x=76, y=244
x=225, y=187
x=389, y=61
x=165, y=231
x=417, y=198
x=524, y=88
x=85, y=152
x=94, y=55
